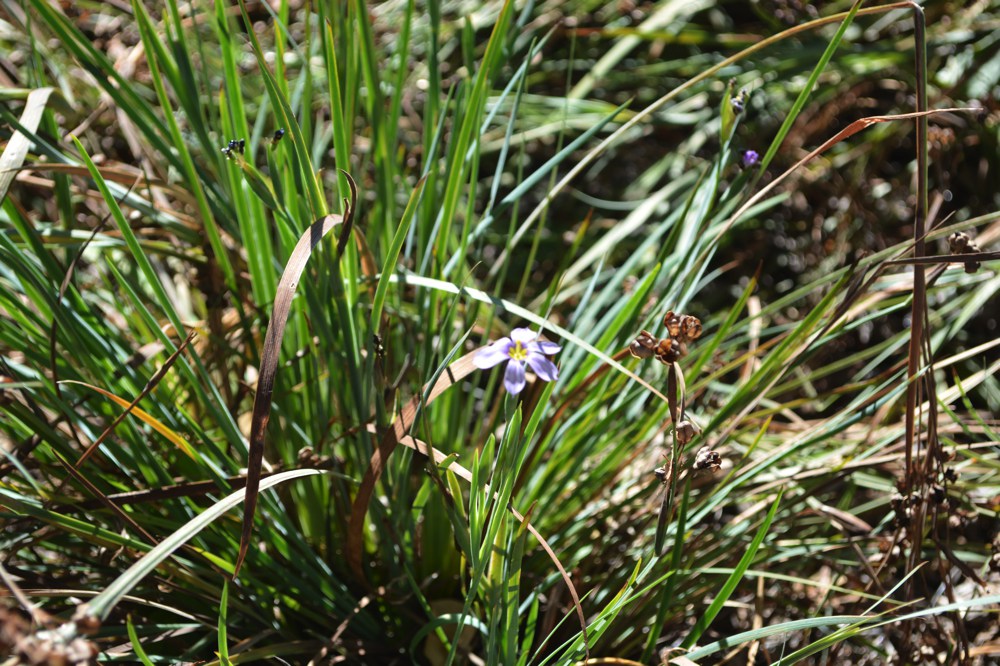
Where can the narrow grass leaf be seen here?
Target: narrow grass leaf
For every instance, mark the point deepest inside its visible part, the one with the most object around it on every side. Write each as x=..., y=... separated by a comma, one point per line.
x=392, y=254
x=18, y=144
x=223, y=624
x=730, y=585
x=102, y=605
x=136, y=645
x=143, y=416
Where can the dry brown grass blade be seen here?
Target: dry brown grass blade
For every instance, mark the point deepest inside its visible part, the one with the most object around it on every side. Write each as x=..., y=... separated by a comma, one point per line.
x=388, y=442
x=842, y=135
x=105, y=501
x=174, y=491
x=272, y=348
x=38, y=616
x=150, y=385
x=122, y=174
x=369, y=267
x=670, y=478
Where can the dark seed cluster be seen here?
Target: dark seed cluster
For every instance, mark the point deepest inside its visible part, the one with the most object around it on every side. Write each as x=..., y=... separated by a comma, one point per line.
x=681, y=329
x=903, y=507
x=235, y=145
x=739, y=102
x=960, y=243
x=708, y=459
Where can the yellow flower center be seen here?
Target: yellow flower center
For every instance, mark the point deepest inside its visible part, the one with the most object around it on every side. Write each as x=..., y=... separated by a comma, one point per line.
x=517, y=352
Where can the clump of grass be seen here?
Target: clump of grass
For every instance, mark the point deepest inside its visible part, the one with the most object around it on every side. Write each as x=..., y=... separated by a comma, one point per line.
x=182, y=334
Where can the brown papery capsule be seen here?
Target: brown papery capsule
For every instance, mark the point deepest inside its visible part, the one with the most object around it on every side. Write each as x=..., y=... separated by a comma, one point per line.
x=686, y=431
x=669, y=351
x=958, y=242
x=706, y=458
x=690, y=328
x=672, y=323
x=644, y=345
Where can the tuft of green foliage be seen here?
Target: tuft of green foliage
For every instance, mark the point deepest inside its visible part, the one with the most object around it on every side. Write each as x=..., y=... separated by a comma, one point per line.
x=579, y=168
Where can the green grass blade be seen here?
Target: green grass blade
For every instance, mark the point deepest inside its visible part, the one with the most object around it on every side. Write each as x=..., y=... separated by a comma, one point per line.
x=101, y=605
x=734, y=579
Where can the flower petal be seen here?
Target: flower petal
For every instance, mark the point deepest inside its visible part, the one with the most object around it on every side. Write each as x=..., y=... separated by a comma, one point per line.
x=513, y=378
x=522, y=335
x=546, y=347
x=543, y=367
x=493, y=355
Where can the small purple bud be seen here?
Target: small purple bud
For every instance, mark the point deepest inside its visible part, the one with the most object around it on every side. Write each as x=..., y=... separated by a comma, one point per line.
x=749, y=159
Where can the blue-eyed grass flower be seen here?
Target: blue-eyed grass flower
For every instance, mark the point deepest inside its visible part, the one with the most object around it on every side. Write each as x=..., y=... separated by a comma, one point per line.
x=519, y=350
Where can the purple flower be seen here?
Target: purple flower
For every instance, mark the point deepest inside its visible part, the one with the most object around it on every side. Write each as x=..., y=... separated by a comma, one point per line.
x=519, y=349
x=750, y=158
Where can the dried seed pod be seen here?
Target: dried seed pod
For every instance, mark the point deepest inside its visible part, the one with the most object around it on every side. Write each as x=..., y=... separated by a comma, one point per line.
x=958, y=242
x=686, y=430
x=938, y=495
x=690, y=328
x=661, y=473
x=644, y=345
x=708, y=459
x=950, y=474
x=669, y=351
x=86, y=622
x=672, y=322
x=308, y=458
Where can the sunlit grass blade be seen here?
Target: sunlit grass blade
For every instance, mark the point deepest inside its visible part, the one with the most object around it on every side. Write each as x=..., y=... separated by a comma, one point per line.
x=17, y=147
x=101, y=605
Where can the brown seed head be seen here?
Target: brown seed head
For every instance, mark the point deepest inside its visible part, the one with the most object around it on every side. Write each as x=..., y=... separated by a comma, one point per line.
x=958, y=242
x=690, y=328
x=686, y=430
x=644, y=345
x=706, y=458
x=669, y=351
x=672, y=323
